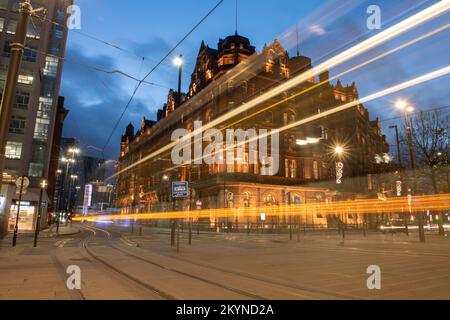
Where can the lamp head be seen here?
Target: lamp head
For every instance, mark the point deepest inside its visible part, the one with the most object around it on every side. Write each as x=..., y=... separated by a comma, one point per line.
x=339, y=150
x=401, y=104
x=178, y=61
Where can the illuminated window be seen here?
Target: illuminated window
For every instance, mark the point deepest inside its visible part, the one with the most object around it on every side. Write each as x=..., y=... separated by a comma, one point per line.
x=51, y=66
x=41, y=129
x=25, y=79
x=2, y=24
x=290, y=168
x=13, y=150
x=45, y=108
x=316, y=170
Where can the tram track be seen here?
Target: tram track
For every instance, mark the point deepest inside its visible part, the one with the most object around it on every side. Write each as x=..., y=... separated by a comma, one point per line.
x=240, y=292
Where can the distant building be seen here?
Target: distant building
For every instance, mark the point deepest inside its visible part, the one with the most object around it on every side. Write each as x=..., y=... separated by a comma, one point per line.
x=225, y=78
x=67, y=176
x=61, y=115
x=34, y=113
x=95, y=193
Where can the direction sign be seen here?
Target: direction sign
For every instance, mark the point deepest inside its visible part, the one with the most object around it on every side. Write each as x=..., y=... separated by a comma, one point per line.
x=180, y=189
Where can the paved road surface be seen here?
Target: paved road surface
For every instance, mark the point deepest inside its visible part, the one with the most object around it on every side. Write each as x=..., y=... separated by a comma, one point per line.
x=117, y=263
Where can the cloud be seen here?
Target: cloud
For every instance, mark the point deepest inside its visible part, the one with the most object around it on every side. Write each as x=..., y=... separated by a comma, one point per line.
x=154, y=48
x=317, y=30
x=96, y=101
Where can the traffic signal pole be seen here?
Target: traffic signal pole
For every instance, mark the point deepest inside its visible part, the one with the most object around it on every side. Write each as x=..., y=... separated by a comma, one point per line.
x=17, y=49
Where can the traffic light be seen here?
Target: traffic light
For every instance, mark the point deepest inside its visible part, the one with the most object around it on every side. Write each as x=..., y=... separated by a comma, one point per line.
x=55, y=215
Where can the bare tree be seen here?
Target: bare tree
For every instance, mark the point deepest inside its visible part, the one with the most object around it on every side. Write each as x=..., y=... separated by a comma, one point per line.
x=431, y=138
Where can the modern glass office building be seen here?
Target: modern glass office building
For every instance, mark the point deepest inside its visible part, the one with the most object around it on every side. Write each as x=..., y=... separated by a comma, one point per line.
x=34, y=110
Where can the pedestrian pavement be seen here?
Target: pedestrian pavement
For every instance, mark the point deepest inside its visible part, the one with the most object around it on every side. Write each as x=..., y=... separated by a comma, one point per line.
x=28, y=273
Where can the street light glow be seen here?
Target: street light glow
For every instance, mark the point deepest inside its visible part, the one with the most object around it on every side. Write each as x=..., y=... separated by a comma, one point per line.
x=309, y=140
x=178, y=61
x=74, y=150
x=401, y=104
x=339, y=150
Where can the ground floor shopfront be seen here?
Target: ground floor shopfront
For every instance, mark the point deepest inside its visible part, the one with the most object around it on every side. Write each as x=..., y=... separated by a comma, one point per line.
x=27, y=209
x=267, y=199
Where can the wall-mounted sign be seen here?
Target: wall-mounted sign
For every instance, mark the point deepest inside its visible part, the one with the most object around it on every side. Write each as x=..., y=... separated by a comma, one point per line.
x=180, y=189
x=339, y=172
x=399, y=188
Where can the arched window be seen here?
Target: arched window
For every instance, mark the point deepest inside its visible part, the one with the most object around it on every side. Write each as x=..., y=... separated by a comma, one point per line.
x=230, y=200
x=246, y=199
x=269, y=200
x=289, y=117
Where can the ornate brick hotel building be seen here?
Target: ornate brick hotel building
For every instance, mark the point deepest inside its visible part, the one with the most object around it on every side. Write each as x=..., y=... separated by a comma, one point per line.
x=225, y=78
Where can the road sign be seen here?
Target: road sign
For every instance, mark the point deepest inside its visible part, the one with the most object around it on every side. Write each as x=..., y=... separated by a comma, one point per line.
x=23, y=181
x=180, y=189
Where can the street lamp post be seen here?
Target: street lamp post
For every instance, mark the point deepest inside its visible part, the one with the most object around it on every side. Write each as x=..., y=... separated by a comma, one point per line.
x=38, y=220
x=16, y=226
x=399, y=157
x=17, y=50
x=339, y=152
x=178, y=61
x=402, y=105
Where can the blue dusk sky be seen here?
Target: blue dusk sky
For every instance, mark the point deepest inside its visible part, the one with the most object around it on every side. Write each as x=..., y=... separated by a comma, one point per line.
x=150, y=28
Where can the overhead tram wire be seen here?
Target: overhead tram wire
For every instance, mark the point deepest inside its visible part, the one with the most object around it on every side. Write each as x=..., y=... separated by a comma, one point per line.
x=387, y=34
x=96, y=68
x=155, y=67
x=416, y=113
x=107, y=43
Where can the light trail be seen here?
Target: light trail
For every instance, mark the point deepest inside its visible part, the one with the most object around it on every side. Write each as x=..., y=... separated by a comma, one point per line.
x=416, y=81
x=365, y=63
x=364, y=206
x=364, y=46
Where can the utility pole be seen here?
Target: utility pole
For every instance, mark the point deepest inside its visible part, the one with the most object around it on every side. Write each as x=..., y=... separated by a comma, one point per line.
x=38, y=220
x=404, y=106
x=180, y=73
x=17, y=49
x=399, y=157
